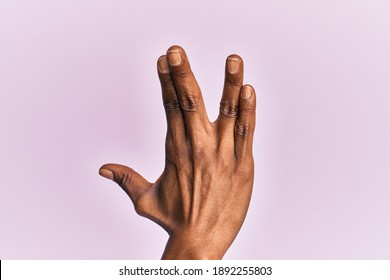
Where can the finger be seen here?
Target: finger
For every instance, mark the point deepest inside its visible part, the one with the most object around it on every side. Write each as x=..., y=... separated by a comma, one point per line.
x=173, y=111
x=188, y=92
x=245, y=123
x=130, y=181
x=228, y=110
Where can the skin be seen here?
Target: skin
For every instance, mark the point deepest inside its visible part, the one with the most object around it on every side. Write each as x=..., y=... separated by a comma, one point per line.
x=203, y=194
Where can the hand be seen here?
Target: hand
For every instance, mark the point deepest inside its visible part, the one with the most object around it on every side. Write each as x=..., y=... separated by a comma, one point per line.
x=203, y=194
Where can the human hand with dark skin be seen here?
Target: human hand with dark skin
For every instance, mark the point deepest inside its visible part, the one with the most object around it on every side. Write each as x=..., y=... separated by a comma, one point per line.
x=202, y=196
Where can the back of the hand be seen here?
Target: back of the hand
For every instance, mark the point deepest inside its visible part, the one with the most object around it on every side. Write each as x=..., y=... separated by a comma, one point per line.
x=203, y=194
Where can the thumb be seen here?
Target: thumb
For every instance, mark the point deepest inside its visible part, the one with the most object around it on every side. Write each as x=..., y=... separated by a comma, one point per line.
x=129, y=180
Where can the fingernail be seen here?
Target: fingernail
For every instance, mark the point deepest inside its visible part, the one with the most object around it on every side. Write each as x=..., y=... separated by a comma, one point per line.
x=162, y=65
x=174, y=57
x=246, y=92
x=233, y=65
x=106, y=174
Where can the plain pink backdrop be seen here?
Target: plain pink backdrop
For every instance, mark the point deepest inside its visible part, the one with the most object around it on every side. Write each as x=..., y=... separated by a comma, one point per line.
x=78, y=88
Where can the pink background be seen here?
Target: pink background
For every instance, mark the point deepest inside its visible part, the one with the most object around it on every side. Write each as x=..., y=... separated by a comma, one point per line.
x=78, y=88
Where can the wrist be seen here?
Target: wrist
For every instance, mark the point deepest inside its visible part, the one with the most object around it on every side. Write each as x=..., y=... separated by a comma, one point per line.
x=192, y=247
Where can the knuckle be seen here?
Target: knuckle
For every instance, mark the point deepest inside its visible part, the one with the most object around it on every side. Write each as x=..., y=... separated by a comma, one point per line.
x=242, y=129
x=188, y=102
x=180, y=73
x=126, y=181
x=165, y=79
x=233, y=81
x=248, y=106
x=172, y=105
x=228, y=109
x=245, y=169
